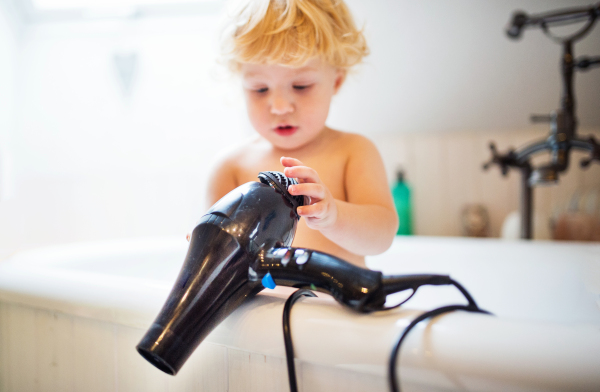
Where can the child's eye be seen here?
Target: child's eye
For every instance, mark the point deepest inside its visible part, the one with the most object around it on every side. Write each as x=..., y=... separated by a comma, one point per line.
x=262, y=90
x=302, y=87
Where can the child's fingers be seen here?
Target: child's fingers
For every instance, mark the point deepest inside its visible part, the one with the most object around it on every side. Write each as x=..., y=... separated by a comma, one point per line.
x=304, y=173
x=314, y=191
x=289, y=162
x=316, y=210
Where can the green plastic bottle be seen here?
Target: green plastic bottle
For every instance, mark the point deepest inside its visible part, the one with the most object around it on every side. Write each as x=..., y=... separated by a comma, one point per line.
x=401, y=194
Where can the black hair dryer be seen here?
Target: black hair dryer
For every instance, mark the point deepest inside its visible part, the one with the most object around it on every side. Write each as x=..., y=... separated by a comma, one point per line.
x=240, y=246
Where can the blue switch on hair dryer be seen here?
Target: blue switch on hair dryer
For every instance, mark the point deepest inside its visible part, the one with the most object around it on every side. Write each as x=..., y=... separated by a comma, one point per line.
x=238, y=247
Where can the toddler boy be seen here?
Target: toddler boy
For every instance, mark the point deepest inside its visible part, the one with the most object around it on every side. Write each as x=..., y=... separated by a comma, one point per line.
x=292, y=57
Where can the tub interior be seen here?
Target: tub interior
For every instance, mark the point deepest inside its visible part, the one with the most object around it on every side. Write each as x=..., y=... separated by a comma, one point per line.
x=541, y=281
x=148, y=258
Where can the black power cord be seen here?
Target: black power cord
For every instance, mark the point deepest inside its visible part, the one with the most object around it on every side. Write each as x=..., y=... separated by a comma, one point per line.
x=392, y=364
x=393, y=361
x=287, y=335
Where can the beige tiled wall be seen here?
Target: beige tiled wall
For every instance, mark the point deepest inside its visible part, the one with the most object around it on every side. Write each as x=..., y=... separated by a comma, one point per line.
x=445, y=173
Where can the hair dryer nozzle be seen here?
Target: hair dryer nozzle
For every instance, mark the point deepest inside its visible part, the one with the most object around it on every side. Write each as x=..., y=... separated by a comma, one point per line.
x=149, y=349
x=212, y=282
x=215, y=277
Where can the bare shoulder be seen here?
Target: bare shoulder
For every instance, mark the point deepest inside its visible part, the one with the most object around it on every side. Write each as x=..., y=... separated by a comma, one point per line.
x=353, y=143
x=237, y=155
x=365, y=178
x=234, y=151
x=225, y=170
x=350, y=139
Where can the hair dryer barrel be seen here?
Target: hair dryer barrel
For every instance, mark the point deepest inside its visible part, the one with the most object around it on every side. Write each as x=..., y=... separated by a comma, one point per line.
x=212, y=283
x=215, y=277
x=243, y=239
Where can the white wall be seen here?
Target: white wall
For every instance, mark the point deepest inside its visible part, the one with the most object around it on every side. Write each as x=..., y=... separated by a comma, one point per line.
x=10, y=30
x=439, y=65
x=92, y=161
x=71, y=99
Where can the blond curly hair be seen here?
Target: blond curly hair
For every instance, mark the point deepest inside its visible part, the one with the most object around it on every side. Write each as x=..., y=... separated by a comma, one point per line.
x=290, y=32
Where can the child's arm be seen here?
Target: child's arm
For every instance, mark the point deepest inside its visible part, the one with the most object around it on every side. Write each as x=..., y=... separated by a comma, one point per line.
x=365, y=224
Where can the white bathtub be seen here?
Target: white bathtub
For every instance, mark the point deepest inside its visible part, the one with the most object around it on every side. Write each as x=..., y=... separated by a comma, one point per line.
x=70, y=317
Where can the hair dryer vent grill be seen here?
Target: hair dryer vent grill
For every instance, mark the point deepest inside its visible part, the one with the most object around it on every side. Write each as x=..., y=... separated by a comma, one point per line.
x=280, y=183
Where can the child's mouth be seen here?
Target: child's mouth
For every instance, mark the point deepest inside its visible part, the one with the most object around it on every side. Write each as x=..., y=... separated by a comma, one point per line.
x=285, y=130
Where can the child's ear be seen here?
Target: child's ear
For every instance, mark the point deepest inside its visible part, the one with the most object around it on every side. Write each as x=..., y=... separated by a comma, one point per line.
x=340, y=76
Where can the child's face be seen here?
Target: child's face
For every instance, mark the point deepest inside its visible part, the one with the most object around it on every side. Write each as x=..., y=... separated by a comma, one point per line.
x=289, y=106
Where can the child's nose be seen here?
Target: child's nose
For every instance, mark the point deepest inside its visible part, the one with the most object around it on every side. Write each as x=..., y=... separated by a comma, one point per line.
x=280, y=104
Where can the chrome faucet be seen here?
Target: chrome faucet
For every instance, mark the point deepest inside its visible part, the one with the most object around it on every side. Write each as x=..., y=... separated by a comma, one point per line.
x=563, y=122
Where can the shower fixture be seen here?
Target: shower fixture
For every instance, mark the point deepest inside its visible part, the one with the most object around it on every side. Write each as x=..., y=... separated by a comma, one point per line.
x=563, y=122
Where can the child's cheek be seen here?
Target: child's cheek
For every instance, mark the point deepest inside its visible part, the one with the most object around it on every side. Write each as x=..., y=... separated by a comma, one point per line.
x=256, y=115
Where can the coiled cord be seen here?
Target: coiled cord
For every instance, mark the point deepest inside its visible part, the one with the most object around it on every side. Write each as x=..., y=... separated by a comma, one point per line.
x=393, y=360
x=393, y=379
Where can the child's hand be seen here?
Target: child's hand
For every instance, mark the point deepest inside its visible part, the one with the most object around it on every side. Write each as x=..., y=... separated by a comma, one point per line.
x=322, y=212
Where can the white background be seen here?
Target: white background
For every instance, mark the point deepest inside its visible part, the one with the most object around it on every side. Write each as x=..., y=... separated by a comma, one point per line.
x=81, y=158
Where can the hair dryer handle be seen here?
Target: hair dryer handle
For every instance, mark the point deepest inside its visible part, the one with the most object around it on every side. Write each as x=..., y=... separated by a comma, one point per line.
x=355, y=287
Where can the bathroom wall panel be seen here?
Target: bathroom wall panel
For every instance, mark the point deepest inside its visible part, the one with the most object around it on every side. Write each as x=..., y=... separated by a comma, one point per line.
x=211, y=364
x=317, y=378
x=464, y=188
x=205, y=370
x=3, y=347
x=95, y=356
x=261, y=372
x=445, y=172
x=22, y=369
x=140, y=375
x=54, y=351
x=429, y=195
x=50, y=351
